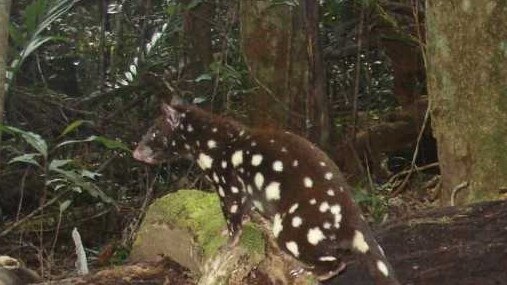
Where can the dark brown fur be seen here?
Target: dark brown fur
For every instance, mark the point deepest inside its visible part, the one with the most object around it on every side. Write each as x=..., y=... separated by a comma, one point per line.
x=284, y=177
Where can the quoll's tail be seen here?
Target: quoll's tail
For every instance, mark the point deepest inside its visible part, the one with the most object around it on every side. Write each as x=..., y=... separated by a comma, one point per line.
x=373, y=257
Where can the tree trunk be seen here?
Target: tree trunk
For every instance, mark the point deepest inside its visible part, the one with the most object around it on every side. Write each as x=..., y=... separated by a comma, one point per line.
x=467, y=59
x=280, y=46
x=198, y=40
x=318, y=111
x=5, y=8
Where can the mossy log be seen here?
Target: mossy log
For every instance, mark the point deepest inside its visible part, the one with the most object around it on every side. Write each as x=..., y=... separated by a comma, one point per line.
x=188, y=227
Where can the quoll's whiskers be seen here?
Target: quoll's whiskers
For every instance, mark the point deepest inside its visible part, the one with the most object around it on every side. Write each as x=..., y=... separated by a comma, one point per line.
x=277, y=174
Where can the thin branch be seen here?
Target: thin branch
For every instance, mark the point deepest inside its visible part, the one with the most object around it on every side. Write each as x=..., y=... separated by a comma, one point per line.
x=32, y=214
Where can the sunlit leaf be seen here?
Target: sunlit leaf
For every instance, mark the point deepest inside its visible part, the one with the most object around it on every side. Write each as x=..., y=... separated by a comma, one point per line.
x=58, y=163
x=90, y=174
x=65, y=205
x=27, y=158
x=203, y=77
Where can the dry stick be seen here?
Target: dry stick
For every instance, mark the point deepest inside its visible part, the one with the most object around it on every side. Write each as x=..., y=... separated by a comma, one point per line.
x=35, y=212
x=456, y=189
x=414, y=156
x=417, y=168
x=22, y=192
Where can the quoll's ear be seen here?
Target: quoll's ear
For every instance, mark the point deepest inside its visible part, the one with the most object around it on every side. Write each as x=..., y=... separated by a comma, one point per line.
x=171, y=116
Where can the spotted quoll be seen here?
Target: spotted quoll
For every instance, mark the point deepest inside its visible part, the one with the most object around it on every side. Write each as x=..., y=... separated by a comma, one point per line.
x=280, y=175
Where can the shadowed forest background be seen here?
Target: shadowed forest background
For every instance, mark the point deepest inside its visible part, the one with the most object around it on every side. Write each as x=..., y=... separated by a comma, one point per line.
x=408, y=98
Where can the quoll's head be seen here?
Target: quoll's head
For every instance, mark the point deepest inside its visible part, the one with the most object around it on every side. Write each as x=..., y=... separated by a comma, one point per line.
x=158, y=144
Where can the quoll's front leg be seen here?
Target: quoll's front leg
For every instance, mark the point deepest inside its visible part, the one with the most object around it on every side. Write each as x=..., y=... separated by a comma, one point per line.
x=234, y=203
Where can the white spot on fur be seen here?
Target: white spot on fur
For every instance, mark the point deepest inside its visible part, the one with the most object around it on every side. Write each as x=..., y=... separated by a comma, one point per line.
x=295, y=163
x=322, y=163
x=330, y=192
x=313, y=201
x=324, y=206
x=234, y=189
x=253, y=143
x=336, y=211
x=358, y=242
x=315, y=235
x=214, y=130
x=249, y=189
x=382, y=267
x=204, y=161
x=187, y=147
x=293, y=208
x=273, y=191
x=292, y=246
x=234, y=208
x=221, y=191
x=190, y=128
x=237, y=158
x=297, y=221
x=284, y=149
x=328, y=176
x=258, y=205
x=272, y=141
x=215, y=177
x=256, y=159
x=259, y=180
x=224, y=164
x=308, y=182
x=212, y=144
x=278, y=166
x=327, y=225
x=277, y=225
x=327, y=258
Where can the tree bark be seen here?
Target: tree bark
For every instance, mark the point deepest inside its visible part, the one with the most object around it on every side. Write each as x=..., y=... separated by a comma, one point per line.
x=275, y=52
x=5, y=8
x=467, y=59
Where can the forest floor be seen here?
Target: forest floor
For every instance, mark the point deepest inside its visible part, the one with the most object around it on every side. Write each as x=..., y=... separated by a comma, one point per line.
x=452, y=245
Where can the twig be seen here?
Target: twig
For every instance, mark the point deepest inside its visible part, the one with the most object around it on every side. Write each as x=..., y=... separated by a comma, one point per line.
x=22, y=192
x=456, y=189
x=417, y=168
x=35, y=212
x=414, y=156
x=358, y=73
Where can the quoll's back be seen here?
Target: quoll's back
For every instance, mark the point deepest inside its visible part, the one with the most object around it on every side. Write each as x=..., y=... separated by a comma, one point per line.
x=282, y=176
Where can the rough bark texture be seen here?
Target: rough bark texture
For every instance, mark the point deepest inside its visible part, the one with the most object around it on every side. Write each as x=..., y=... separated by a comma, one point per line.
x=467, y=59
x=317, y=97
x=199, y=52
x=451, y=246
x=5, y=7
x=274, y=47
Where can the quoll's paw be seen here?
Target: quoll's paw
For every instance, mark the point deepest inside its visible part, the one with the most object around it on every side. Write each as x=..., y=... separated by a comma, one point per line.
x=330, y=274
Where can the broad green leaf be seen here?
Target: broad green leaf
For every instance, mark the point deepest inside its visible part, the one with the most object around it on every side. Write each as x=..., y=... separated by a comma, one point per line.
x=31, y=138
x=71, y=127
x=58, y=163
x=203, y=77
x=90, y=174
x=27, y=158
x=65, y=205
x=108, y=143
x=79, y=183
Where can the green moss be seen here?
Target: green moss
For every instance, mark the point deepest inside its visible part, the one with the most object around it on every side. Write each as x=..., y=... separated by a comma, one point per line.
x=252, y=239
x=195, y=210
